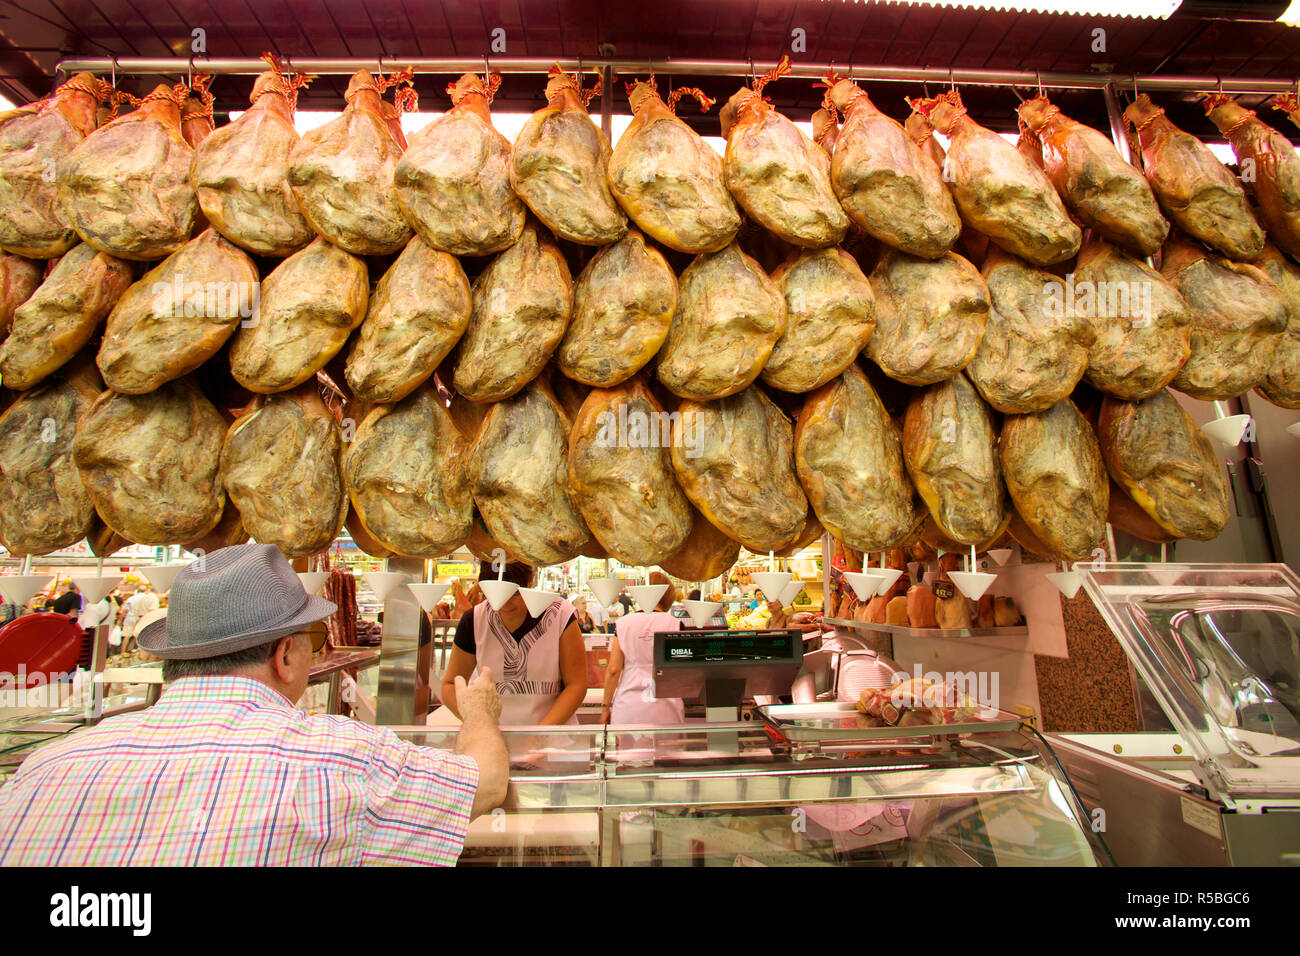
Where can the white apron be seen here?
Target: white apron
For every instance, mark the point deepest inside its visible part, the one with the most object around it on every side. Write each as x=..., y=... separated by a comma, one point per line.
x=527, y=672
x=635, y=701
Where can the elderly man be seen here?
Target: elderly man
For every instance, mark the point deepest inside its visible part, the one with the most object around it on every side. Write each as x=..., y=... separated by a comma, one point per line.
x=225, y=770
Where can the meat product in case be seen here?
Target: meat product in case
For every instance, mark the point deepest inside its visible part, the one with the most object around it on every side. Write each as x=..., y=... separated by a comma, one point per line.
x=1194, y=189
x=830, y=315
x=998, y=191
x=729, y=316
x=521, y=307
x=1281, y=384
x=621, y=473
x=280, y=465
x=241, y=174
x=950, y=447
x=885, y=182
x=34, y=142
x=519, y=477
x=734, y=459
x=453, y=181
x=849, y=455
x=1158, y=455
x=668, y=180
x=126, y=187
x=1033, y=352
x=1103, y=189
x=150, y=463
x=406, y=474
x=1054, y=471
x=62, y=314
x=930, y=316
x=559, y=164
x=342, y=176
x=417, y=314
x=309, y=306
x=707, y=552
x=178, y=315
x=19, y=278
x=623, y=304
x=1237, y=319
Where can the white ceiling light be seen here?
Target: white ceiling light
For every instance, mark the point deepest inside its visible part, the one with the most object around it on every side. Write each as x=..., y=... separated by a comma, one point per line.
x=1292, y=15
x=1150, y=9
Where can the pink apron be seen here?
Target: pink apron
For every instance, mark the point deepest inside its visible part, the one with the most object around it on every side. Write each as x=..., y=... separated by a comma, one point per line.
x=527, y=672
x=635, y=701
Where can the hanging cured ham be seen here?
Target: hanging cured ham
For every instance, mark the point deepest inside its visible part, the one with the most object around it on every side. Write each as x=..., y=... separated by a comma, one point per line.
x=417, y=314
x=1166, y=464
x=59, y=318
x=43, y=504
x=521, y=307
x=623, y=304
x=1196, y=191
x=1269, y=157
x=730, y=315
x=668, y=180
x=559, y=166
x=309, y=306
x=779, y=176
x=1289, y=104
x=998, y=191
x=1033, y=353
x=1058, y=482
x=519, y=477
x=35, y=140
x=950, y=447
x=1104, y=190
x=126, y=187
x=885, y=182
x=921, y=132
x=1140, y=320
x=826, y=130
x=280, y=465
x=241, y=173
x=734, y=459
x=150, y=463
x=341, y=175
x=1281, y=384
x=830, y=315
x=706, y=554
x=178, y=315
x=849, y=455
x=621, y=473
x=930, y=316
x=19, y=278
x=453, y=181
x=1238, y=316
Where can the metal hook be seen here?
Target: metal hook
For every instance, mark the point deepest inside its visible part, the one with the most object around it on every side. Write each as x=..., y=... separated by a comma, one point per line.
x=751, y=71
x=1220, y=79
x=113, y=73
x=1135, y=86
x=952, y=80
x=1039, y=76
x=189, y=76
x=487, y=68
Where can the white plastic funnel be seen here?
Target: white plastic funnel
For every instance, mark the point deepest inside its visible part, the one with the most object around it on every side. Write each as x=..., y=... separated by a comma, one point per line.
x=161, y=576
x=429, y=594
x=865, y=584
x=313, y=581
x=1227, y=431
x=771, y=583
x=538, y=600
x=1294, y=429
x=646, y=596
x=1067, y=582
x=790, y=592
x=702, y=611
x=18, y=588
x=1001, y=555
x=973, y=584
x=1165, y=579
x=605, y=589
x=498, y=592
x=384, y=583
x=888, y=578
x=94, y=588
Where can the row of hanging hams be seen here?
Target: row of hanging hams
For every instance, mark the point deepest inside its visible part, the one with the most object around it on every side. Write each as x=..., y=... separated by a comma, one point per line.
x=867, y=340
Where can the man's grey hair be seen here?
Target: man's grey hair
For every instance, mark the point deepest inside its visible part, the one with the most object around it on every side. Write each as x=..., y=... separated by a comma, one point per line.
x=232, y=663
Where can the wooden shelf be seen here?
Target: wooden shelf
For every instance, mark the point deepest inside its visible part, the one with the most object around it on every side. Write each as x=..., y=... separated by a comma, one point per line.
x=896, y=630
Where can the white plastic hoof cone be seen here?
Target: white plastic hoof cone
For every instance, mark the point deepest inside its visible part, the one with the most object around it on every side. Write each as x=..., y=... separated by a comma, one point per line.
x=702, y=611
x=384, y=583
x=605, y=589
x=771, y=583
x=93, y=589
x=538, y=600
x=1067, y=582
x=498, y=592
x=1227, y=431
x=18, y=588
x=646, y=596
x=790, y=592
x=865, y=584
x=428, y=594
x=973, y=584
x=1294, y=429
x=888, y=578
x=1001, y=555
x=1166, y=579
x=161, y=576
x=313, y=581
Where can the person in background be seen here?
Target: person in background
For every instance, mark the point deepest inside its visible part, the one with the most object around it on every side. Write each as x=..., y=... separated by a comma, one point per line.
x=69, y=602
x=585, y=622
x=625, y=600
x=541, y=662
x=718, y=620
x=629, y=681
x=598, y=616
x=142, y=602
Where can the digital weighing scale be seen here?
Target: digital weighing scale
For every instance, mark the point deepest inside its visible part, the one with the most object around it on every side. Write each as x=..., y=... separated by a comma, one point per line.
x=722, y=667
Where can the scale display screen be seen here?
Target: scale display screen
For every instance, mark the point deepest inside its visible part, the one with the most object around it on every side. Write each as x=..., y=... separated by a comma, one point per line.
x=727, y=646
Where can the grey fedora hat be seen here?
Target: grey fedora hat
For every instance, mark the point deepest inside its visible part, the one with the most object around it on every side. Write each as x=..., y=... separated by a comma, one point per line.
x=230, y=600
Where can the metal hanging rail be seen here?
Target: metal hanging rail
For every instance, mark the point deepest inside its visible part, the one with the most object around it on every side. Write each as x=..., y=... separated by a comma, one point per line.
x=887, y=74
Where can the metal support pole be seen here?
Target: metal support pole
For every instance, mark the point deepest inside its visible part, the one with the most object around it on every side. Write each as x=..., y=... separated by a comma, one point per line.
x=607, y=103
x=405, y=653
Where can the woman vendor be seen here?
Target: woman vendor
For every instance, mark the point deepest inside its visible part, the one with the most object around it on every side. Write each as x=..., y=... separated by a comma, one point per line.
x=629, y=681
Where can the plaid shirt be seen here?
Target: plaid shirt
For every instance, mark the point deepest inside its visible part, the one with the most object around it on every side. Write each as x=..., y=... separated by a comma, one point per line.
x=224, y=770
